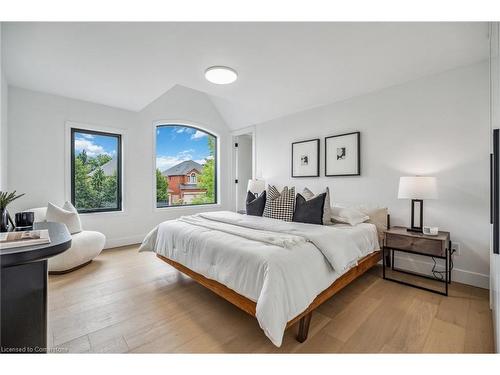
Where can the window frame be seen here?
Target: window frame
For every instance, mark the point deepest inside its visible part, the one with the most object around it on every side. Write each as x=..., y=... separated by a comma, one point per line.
x=164, y=124
x=192, y=178
x=119, y=185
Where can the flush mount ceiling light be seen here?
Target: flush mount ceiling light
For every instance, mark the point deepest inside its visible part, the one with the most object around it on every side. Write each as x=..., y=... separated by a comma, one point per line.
x=221, y=75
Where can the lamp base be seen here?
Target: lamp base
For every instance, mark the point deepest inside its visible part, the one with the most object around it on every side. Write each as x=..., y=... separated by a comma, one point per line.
x=417, y=207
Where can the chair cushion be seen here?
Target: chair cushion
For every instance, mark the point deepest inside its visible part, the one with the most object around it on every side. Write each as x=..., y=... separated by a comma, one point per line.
x=67, y=215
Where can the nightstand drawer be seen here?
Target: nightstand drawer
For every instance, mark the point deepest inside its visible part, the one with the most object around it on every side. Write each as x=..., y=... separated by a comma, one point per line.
x=421, y=245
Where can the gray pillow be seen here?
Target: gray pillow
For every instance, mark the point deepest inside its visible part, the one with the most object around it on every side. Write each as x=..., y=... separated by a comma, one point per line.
x=327, y=214
x=255, y=206
x=309, y=211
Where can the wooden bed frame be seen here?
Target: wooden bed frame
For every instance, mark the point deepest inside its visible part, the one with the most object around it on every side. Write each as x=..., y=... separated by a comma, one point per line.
x=303, y=318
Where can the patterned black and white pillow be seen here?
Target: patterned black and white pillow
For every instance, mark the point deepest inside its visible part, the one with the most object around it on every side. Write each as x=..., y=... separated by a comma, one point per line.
x=280, y=205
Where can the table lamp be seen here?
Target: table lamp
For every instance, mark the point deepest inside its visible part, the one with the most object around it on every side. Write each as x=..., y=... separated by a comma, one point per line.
x=417, y=189
x=256, y=187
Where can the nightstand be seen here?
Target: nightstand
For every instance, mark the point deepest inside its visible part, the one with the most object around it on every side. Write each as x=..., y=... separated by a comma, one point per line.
x=398, y=239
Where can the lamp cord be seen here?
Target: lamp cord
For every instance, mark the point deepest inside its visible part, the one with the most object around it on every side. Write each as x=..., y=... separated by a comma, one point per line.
x=441, y=275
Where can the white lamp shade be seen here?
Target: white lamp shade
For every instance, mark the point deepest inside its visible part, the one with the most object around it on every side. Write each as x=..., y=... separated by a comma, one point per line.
x=256, y=186
x=417, y=188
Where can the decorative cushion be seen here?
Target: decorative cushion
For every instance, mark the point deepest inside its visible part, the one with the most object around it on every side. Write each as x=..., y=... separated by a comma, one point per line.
x=255, y=206
x=67, y=215
x=311, y=210
x=348, y=215
x=280, y=205
x=327, y=214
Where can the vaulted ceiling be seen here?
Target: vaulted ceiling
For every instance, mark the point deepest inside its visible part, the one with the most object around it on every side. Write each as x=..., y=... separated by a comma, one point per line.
x=283, y=67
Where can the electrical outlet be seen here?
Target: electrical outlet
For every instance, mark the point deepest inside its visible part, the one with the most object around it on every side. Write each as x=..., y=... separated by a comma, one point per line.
x=455, y=247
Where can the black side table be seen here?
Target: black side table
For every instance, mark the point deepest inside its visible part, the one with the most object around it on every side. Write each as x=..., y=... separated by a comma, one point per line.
x=439, y=247
x=24, y=291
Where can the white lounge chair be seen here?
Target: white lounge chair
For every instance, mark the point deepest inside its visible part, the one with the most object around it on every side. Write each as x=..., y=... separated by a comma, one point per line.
x=85, y=246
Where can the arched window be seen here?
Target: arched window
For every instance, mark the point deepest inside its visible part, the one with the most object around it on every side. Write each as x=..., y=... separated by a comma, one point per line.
x=192, y=179
x=185, y=156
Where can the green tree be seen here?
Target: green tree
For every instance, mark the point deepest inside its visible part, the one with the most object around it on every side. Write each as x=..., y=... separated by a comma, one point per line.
x=110, y=190
x=82, y=156
x=83, y=189
x=97, y=183
x=94, y=190
x=161, y=187
x=98, y=161
x=206, y=179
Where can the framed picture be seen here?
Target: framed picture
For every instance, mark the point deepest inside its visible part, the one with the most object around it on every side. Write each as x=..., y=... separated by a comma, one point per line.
x=342, y=155
x=305, y=158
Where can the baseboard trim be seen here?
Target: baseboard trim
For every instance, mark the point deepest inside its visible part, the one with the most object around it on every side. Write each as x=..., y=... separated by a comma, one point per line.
x=459, y=275
x=124, y=241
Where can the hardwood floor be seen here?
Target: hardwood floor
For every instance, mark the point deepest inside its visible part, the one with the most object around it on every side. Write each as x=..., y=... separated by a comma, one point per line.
x=125, y=301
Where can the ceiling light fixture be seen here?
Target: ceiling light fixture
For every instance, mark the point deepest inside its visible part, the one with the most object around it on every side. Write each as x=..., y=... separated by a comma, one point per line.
x=221, y=75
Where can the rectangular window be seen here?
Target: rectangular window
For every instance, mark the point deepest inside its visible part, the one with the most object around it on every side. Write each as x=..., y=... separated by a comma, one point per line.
x=186, y=166
x=96, y=184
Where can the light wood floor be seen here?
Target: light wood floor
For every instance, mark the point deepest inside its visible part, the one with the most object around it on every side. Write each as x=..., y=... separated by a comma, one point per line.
x=126, y=301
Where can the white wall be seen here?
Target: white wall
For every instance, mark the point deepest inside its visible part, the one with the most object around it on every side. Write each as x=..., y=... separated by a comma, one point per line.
x=3, y=132
x=37, y=156
x=3, y=122
x=432, y=126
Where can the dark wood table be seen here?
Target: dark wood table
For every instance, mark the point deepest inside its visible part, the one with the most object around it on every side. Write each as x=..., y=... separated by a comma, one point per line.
x=24, y=291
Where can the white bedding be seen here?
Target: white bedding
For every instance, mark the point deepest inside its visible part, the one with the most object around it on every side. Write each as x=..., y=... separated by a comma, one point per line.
x=282, y=266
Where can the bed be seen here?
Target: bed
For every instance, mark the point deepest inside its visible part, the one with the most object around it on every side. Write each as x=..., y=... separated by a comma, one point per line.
x=276, y=271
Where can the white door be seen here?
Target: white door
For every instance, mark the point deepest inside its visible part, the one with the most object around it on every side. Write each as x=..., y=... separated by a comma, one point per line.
x=495, y=124
x=243, y=152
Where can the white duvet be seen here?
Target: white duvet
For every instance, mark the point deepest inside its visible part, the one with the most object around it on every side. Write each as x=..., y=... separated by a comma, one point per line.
x=282, y=266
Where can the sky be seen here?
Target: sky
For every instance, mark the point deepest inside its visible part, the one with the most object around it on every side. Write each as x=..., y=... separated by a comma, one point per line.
x=175, y=144
x=95, y=144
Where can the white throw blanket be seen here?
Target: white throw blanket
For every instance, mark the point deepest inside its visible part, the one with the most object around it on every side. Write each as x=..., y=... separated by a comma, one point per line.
x=282, y=266
x=272, y=238
x=336, y=245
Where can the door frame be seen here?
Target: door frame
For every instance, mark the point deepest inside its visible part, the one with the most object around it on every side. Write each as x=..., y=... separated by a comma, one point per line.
x=234, y=170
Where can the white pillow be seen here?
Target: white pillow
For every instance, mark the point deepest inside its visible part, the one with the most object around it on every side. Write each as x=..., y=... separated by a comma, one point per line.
x=67, y=215
x=327, y=214
x=348, y=215
x=378, y=216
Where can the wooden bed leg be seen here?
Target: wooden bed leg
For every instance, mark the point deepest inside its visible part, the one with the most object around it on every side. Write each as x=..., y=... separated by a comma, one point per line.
x=304, y=327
